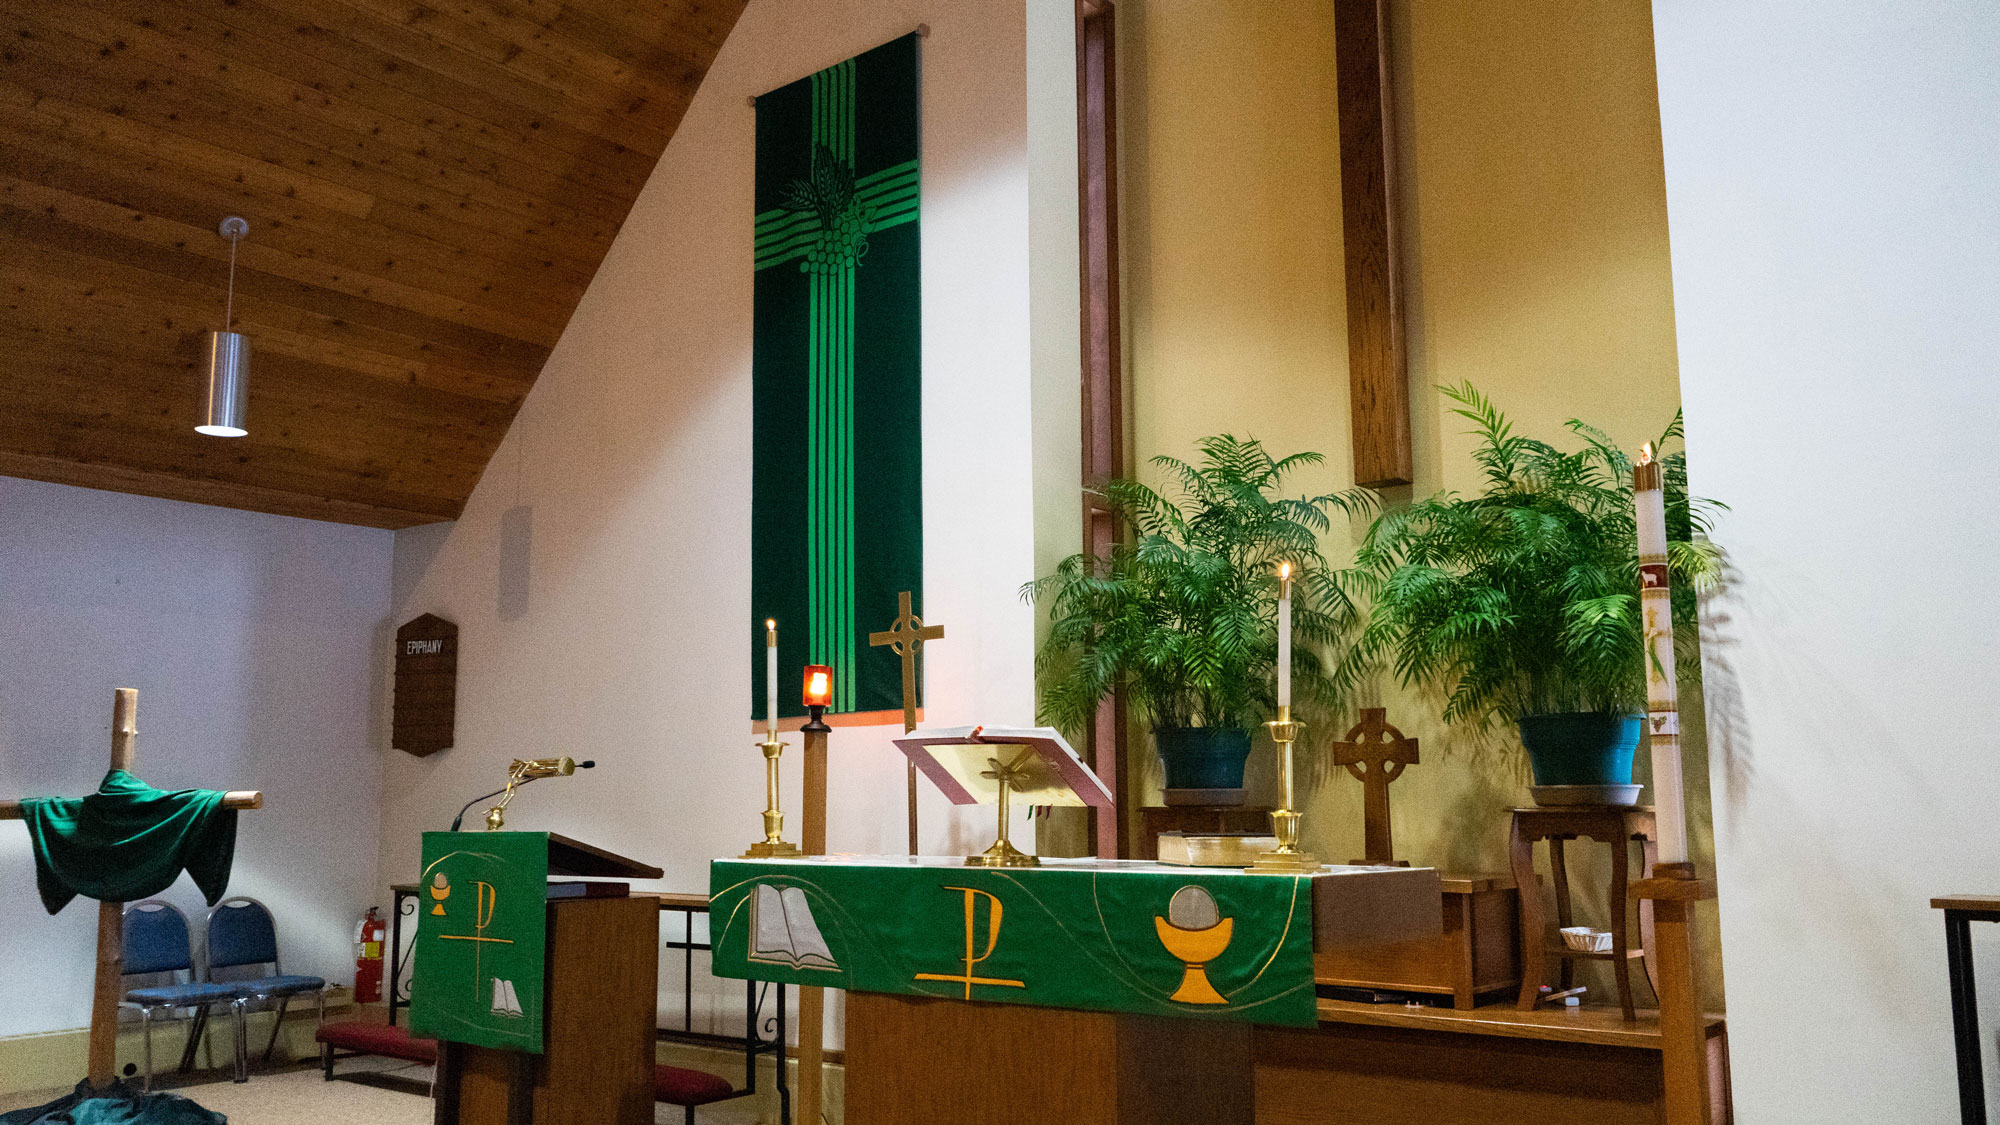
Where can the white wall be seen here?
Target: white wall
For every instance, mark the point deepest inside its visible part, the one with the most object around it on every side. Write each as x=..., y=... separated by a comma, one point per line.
x=600, y=572
x=255, y=642
x=1830, y=178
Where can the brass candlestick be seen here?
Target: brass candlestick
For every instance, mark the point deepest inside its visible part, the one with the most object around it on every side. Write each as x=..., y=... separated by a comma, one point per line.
x=1286, y=858
x=773, y=845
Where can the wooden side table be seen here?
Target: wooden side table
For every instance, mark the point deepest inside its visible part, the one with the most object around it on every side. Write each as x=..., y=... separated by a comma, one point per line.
x=1960, y=911
x=1613, y=825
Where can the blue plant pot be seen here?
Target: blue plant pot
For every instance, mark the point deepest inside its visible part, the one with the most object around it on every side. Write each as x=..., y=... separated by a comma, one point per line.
x=1203, y=757
x=1581, y=747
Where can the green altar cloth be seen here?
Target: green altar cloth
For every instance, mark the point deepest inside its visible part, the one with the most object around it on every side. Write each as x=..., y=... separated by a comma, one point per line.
x=129, y=841
x=1118, y=936
x=121, y=1104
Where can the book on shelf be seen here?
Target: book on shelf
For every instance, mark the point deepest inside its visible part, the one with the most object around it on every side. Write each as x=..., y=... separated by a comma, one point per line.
x=579, y=888
x=1214, y=849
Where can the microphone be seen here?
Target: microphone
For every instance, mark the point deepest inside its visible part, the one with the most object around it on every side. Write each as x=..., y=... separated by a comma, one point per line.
x=521, y=773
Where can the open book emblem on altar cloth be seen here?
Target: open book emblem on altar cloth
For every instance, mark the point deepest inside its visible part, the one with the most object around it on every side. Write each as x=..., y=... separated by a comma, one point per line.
x=783, y=931
x=1195, y=932
x=506, y=1002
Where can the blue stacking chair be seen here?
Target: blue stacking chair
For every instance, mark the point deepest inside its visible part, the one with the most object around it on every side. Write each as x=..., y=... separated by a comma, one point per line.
x=157, y=942
x=240, y=933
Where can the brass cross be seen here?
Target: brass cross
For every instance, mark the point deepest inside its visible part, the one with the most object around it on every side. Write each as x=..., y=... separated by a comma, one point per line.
x=906, y=639
x=1376, y=753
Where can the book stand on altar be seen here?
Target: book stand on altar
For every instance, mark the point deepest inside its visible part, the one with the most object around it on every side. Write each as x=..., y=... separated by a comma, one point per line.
x=543, y=1008
x=994, y=765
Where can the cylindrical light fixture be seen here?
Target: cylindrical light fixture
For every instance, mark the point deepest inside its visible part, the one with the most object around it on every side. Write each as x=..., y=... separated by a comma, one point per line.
x=228, y=399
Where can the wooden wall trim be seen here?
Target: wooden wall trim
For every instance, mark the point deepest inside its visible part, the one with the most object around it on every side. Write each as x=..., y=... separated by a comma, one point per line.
x=1378, y=375
x=225, y=494
x=1104, y=438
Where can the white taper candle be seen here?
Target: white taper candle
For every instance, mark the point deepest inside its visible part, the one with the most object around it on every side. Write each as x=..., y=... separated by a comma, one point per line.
x=1656, y=616
x=1284, y=634
x=771, y=673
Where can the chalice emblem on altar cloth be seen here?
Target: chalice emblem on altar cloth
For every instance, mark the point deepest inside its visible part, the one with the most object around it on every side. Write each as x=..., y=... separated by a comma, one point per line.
x=1195, y=932
x=440, y=890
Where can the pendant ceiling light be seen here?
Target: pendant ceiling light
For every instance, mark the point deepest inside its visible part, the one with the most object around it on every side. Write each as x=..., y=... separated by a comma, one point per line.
x=228, y=358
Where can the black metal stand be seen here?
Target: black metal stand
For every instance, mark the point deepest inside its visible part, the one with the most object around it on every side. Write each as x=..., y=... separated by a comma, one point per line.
x=1965, y=1010
x=404, y=892
x=753, y=1042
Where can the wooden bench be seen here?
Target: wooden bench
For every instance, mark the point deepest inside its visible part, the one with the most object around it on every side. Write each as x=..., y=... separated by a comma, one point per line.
x=1388, y=1064
x=360, y=1037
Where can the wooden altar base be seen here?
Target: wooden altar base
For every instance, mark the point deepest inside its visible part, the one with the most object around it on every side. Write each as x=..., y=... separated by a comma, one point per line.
x=917, y=1061
x=1390, y=1065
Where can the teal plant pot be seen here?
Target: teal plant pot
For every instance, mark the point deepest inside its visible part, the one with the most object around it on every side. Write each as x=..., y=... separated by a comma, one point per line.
x=1581, y=747
x=1203, y=757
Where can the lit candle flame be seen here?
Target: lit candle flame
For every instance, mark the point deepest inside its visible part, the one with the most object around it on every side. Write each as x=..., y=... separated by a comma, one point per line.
x=1646, y=454
x=1284, y=570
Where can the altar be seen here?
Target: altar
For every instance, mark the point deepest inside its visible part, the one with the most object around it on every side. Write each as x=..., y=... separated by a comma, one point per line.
x=1101, y=985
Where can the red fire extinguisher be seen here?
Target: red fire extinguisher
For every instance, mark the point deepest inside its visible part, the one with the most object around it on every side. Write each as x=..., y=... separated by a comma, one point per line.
x=368, y=937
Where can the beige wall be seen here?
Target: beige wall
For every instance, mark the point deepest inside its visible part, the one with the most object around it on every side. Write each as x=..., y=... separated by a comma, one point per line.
x=1534, y=240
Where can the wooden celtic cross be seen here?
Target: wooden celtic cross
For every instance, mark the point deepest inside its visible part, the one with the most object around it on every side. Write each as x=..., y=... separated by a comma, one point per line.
x=1376, y=754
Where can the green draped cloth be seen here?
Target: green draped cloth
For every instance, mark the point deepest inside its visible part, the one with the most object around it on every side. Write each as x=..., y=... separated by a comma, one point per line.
x=129, y=841
x=122, y=1104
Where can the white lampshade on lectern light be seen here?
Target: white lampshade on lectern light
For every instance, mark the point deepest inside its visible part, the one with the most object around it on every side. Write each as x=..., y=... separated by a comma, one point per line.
x=228, y=400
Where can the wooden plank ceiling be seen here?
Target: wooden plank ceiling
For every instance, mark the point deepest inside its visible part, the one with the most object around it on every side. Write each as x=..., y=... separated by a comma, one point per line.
x=429, y=190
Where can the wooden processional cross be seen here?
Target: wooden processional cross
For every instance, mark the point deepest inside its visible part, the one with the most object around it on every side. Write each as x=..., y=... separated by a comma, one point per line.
x=1376, y=754
x=111, y=915
x=906, y=639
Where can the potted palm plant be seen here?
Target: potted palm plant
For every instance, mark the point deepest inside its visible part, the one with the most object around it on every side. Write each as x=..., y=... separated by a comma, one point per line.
x=1184, y=613
x=1521, y=602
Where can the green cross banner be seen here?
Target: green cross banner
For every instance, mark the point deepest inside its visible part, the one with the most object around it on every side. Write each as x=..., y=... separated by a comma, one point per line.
x=837, y=461
x=481, y=944
x=1194, y=943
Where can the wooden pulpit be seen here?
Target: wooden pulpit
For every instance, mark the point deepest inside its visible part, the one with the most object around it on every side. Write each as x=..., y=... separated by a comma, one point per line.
x=595, y=1009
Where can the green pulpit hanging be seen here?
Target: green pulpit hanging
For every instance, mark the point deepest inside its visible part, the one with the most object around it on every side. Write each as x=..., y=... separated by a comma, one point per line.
x=482, y=939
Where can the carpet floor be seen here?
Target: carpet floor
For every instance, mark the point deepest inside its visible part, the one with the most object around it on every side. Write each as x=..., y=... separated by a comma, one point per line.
x=382, y=1092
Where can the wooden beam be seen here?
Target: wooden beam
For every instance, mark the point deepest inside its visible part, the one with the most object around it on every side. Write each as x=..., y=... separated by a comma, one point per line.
x=225, y=494
x=234, y=799
x=1377, y=372
x=1104, y=446
x=430, y=191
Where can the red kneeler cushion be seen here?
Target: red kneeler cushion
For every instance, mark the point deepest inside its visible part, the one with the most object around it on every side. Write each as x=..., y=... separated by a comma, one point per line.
x=677, y=1085
x=378, y=1039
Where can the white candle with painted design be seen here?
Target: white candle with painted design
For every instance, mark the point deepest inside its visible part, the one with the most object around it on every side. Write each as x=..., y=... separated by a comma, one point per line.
x=1284, y=636
x=1656, y=616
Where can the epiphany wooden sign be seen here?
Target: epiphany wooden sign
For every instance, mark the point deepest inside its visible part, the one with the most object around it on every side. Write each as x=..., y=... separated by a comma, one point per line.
x=426, y=685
